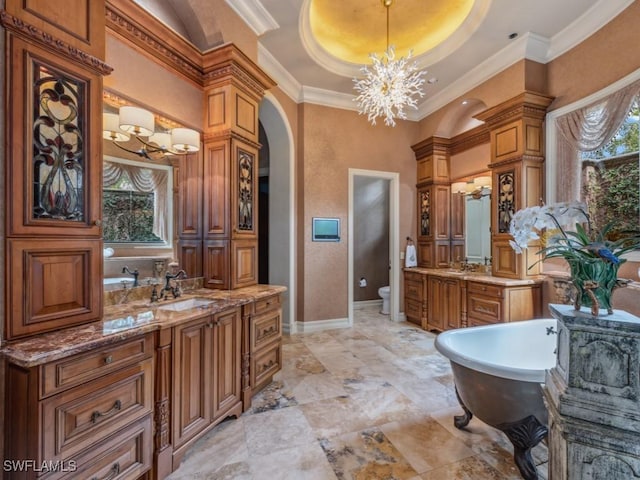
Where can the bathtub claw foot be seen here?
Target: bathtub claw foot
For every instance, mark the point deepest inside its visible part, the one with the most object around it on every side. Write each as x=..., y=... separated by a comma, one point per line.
x=461, y=421
x=524, y=435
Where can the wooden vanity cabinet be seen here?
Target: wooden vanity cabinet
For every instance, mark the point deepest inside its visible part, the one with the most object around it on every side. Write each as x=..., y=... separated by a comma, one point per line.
x=91, y=412
x=415, y=298
x=488, y=304
x=444, y=304
x=263, y=357
x=206, y=368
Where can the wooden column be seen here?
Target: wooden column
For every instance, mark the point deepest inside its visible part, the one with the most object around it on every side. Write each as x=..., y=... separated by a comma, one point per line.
x=517, y=164
x=434, y=202
x=233, y=88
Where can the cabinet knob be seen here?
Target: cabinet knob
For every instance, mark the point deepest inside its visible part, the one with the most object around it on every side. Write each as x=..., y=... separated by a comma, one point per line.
x=108, y=360
x=97, y=223
x=209, y=325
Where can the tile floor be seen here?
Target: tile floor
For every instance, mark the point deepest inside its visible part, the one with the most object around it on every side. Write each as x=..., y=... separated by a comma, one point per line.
x=375, y=401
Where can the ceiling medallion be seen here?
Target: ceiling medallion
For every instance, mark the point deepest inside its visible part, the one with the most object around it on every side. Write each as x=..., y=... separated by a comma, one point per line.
x=389, y=85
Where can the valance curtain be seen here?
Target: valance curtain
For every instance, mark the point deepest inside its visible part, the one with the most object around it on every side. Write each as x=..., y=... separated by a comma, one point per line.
x=143, y=180
x=584, y=130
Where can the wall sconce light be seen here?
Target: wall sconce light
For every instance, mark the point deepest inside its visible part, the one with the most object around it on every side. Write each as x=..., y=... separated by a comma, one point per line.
x=477, y=188
x=141, y=123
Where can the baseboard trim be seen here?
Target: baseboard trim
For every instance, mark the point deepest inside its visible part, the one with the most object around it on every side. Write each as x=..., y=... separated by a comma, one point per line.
x=401, y=317
x=319, y=325
x=366, y=303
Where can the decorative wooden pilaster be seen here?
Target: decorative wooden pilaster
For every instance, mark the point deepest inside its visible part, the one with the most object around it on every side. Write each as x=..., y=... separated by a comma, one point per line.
x=233, y=89
x=517, y=164
x=434, y=202
x=593, y=396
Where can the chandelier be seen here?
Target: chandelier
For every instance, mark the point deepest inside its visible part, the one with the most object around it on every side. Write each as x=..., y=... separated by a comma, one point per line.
x=141, y=124
x=389, y=85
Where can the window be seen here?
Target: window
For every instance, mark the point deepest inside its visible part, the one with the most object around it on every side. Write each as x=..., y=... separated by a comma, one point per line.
x=592, y=154
x=137, y=207
x=611, y=177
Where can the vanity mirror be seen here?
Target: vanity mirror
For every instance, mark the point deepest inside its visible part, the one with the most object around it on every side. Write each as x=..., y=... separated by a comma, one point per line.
x=477, y=201
x=141, y=149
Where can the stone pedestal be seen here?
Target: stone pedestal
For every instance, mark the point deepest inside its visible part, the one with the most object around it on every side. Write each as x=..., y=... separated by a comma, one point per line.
x=593, y=397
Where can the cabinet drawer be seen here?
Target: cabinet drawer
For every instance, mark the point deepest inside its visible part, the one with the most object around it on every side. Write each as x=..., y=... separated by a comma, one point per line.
x=83, y=416
x=126, y=455
x=266, y=304
x=485, y=309
x=413, y=310
x=265, y=328
x=413, y=290
x=264, y=365
x=413, y=276
x=485, y=289
x=68, y=372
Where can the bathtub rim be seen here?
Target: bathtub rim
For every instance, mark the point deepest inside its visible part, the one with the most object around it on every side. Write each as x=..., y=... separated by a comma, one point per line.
x=443, y=346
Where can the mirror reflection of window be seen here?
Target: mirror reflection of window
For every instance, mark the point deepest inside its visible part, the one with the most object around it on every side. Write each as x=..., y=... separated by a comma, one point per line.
x=478, y=228
x=136, y=205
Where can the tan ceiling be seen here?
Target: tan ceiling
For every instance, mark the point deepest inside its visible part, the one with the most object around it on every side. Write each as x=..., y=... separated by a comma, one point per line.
x=352, y=30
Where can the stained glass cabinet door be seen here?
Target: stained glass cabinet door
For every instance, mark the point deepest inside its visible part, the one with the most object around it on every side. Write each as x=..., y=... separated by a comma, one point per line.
x=55, y=155
x=53, y=185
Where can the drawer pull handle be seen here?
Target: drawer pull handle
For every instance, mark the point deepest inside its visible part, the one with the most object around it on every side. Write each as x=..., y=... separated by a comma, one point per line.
x=268, y=331
x=114, y=471
x=117, y=406
x=108, y=360
x=267, y=366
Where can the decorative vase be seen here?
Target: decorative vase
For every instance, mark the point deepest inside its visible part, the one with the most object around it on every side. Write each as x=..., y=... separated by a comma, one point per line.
x=594, y=282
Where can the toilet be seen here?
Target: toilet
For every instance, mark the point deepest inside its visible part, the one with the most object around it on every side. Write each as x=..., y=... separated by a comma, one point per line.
x=384, y=293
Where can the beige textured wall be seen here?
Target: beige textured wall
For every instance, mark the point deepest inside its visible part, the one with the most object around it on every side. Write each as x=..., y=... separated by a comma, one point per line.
x=334, y=141
x=608, y=55
x=470, y=162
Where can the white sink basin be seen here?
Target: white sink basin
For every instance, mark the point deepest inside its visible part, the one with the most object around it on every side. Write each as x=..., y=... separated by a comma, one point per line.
x=116, y=280
x=187, y=304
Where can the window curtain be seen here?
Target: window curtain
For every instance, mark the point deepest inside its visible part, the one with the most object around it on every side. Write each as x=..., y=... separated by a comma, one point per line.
x=144, y=180
x=584, y=130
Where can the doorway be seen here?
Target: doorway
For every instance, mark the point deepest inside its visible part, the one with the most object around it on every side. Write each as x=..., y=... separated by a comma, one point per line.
x=280, y=241
x=375, y=184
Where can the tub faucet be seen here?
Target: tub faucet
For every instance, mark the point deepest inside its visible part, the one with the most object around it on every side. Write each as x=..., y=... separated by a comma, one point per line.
x=551, y=331
x=135, y=274
x=175, y=291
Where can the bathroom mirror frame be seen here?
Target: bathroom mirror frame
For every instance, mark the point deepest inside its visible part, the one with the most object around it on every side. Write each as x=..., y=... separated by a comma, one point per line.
x=477, y=234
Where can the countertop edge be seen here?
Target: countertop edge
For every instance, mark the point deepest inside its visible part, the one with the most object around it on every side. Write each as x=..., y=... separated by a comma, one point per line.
x=51, y=346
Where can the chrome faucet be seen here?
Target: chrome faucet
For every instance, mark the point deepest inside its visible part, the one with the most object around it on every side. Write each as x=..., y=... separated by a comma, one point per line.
x=135, y=274
x=175, y=291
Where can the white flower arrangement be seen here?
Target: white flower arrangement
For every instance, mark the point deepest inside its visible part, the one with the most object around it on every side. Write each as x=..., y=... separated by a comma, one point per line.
x=527, y=224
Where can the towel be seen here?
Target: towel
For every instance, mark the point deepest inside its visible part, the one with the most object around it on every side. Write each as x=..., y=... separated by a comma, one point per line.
x=410, y=257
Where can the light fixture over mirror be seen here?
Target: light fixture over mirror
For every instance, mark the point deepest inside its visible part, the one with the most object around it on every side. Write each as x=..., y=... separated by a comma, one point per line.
x=476, y=188
x=140, y=123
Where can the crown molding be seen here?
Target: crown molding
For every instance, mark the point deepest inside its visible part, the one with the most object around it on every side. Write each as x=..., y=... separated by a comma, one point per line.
x=253, y=13
x=44, y=39
x=287, y=83
x=328, y=98
x=529, y=46
x=586, y=25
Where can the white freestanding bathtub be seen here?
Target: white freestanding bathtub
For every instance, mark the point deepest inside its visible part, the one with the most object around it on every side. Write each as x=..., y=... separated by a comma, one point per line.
x=498, y=371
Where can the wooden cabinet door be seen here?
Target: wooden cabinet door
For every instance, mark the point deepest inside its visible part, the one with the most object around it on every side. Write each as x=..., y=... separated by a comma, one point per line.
x=54, y=150
x=451, y=299
x=436, y=304
x=244, y=190
x=191, y=379
x=227, y=343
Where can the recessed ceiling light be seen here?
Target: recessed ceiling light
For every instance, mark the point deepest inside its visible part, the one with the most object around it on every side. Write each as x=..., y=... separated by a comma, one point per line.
x=432, y=80
x=464, y=102
x=512, y=35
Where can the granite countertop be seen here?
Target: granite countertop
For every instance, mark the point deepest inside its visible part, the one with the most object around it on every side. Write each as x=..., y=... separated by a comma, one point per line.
x=128, y=320
x=477, y=276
